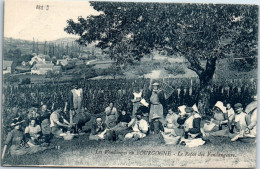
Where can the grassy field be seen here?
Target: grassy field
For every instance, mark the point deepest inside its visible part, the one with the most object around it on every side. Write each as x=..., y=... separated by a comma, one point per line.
x=83, y=152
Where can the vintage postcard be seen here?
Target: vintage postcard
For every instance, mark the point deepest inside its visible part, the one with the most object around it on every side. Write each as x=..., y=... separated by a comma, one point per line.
x=129, y=84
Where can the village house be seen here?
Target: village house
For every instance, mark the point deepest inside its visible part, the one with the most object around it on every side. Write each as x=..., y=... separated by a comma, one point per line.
x=42, y=69
x=8, y=67
x=39, y=59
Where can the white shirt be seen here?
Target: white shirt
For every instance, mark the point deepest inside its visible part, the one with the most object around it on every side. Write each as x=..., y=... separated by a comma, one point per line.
x=140, y=126
x=77, y=91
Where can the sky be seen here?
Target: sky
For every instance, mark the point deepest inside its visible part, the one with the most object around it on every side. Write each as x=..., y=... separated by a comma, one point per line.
x=22, y=19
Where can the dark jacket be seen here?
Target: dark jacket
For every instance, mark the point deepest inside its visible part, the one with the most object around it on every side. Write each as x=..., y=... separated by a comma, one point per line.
x=156, y=126
x=124, y=118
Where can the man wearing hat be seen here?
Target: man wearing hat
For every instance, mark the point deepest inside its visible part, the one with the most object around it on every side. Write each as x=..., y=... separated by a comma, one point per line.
x=157, y=101
x=98, y=130
x=156, y=126
x=75, y=101
x=139, y=127
x=239, y=121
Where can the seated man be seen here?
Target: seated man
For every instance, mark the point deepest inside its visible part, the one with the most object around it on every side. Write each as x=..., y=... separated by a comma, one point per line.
x=58, y=123
x=139, y=127
x=98, y=130
x=239, y=122
x=156, y=126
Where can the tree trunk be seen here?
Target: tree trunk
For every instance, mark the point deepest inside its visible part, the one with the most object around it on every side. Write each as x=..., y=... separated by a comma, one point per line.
x=204, y=96
x=206, y=78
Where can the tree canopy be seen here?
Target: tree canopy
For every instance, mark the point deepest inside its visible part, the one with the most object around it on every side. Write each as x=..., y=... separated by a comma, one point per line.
x=129, y=31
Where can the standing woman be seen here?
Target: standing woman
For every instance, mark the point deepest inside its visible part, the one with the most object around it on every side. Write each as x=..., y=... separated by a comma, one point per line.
x=157, y=101
x=136, y=100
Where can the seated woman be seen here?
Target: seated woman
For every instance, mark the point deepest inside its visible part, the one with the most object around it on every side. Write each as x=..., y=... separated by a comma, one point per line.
x=171, y=125
x=192, y=129
x=16, y=140
x=111, y=115
x=34, y=114
x=218, y=125
x=33, y=133
x=191, y=123
x=98, y=130
x=121, y=128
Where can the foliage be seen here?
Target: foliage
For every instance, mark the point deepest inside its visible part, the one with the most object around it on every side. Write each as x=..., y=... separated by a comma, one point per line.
x=26, y=81
x=9, y=78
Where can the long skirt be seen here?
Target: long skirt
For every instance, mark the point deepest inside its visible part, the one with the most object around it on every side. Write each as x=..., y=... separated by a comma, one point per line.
x=156, y=109
x=22, y=150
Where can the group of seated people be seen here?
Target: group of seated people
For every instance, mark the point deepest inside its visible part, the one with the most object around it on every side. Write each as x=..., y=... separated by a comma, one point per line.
x=186, y=126
x=33, y=132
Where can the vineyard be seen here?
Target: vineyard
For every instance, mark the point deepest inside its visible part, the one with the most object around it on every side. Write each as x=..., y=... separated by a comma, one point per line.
x=98, y=93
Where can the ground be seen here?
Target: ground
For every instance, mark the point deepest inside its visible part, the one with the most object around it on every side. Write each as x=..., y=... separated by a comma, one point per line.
x=82, y=152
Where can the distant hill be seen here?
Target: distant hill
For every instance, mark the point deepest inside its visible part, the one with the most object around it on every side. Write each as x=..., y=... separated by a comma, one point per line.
x=58, y=48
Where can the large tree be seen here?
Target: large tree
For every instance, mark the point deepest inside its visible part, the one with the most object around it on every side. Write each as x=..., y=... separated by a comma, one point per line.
x=202, y=33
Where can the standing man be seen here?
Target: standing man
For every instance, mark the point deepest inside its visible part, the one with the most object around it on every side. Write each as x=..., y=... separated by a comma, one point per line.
x=157, y=101
x=75, y=101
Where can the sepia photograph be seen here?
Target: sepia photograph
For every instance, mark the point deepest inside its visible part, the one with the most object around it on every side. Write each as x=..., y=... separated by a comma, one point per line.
x=129, y=84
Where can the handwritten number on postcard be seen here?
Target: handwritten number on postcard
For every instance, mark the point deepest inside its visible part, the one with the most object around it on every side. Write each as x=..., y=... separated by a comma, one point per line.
x=42, y=7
